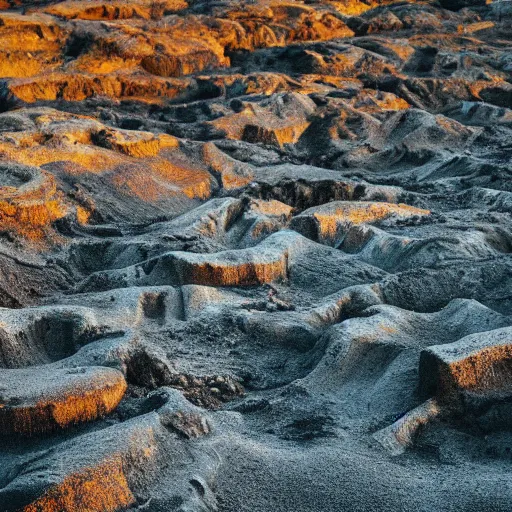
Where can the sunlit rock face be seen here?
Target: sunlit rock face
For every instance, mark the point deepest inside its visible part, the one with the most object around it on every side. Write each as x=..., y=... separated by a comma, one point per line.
x=255, y=255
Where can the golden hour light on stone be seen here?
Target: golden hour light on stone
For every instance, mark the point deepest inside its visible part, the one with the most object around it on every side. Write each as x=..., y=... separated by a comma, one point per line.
x=42, y=399
x=255, y=255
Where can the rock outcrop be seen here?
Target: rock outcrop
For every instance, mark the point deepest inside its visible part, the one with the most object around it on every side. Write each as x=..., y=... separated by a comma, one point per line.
x=250, y=250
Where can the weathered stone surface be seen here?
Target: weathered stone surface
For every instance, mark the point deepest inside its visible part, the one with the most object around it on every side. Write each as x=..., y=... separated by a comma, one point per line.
x=328, y=223
x=96, y=471
x=478, y=363
x=264, y=263
x=400, y=435
x=42, y=399
x=241, y=236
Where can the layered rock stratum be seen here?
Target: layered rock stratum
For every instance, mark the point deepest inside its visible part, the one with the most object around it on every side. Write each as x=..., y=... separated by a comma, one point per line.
x=255, y=256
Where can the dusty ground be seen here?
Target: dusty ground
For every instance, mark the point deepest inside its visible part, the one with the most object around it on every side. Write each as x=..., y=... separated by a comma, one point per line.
x=255, y=256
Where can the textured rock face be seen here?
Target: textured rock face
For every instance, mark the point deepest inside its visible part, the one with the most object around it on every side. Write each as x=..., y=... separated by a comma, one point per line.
x=475, y=363
x=41, y=399
x=250, y=250
x=333, y=221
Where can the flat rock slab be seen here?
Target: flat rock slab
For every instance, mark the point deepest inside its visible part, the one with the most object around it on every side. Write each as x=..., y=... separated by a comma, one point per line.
x=42, y=399
x=480, y=362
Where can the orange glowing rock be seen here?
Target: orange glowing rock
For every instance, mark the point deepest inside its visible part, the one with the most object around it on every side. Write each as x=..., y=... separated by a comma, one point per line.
x=29, y=202
x=44, y=398
x=233, y=173
x=245, y=267
x=325, y=223
x=280, y=120
x=271, y=208
x=103, y=487
x=355, y=7
x=90, y=472
x=265, y=262
x=222, y=272
x=74, y=87
x=162, y=178
x=176, y=47
x=400, y=435
x=136, y=164
x=478, y=363
x=135, y=143
x=279, y=23
x=30, y=33
x=116, y=10
x=30, y=44
x=372, y=102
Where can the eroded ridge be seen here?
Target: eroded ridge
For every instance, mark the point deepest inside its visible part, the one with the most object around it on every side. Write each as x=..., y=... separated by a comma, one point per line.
x=255, y=255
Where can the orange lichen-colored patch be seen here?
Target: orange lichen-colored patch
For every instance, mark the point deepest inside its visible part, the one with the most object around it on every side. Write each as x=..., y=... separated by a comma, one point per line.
x=488, y=368
x=24, y=64
x=360, y=213
x=319, y=27
x=28, y=218
x=245, y=267
x=471, y=28
x=371, y=101
x=335, y=81
x=375, y=211
x=388, y=329
x=281, y=23
x=30, y=33
x=82, y=215
x=233, y=173
x=29, y=209
x=70, y=407
x=256, y=124
x=97, y=64
x=354, y=7
x=185, y=58
x=90, y=159
x=393, y=103
x=78, y=87
x=478, y=363
x=90, y=405
x=178, y=47
x=191, y=179
x=232, y=182
x=398, y=436
x=103, y=487
x=138, y=144
x=115, y=10
x=263, y=227
x=234, y=124
x=139, y=164
x=275, y=136
x=245, y=274
x=161, y=178
x=271, y=208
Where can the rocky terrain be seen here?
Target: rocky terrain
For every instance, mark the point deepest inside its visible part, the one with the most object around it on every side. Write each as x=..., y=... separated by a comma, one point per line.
x=255, y=256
